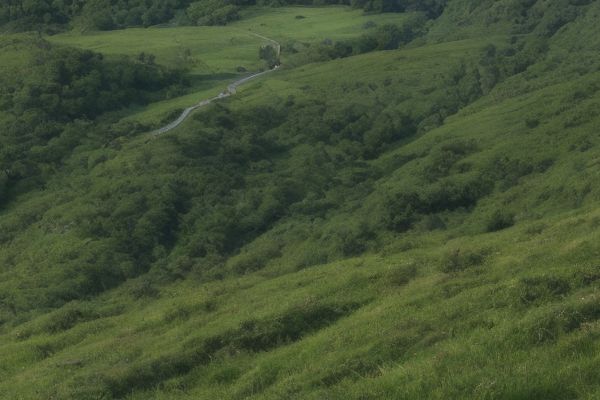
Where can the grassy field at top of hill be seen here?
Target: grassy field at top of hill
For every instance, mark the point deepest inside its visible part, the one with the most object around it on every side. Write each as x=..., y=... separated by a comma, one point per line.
x=204, y=50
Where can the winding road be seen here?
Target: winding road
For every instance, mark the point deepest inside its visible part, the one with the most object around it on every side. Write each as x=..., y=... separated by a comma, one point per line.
x=231, y=90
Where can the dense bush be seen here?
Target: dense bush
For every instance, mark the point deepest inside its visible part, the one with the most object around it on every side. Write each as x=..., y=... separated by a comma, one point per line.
x=212, y=12
x=500, y=219
x=269, y=54
x=459, y=259
x=539, y=289
x=52, y=101
x=88, y=14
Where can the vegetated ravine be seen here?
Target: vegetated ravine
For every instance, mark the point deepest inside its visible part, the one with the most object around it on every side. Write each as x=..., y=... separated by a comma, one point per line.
x=231, y=89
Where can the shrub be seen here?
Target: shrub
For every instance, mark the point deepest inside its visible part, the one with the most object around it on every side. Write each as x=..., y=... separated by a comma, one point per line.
x=401, y=275
x=69, y=316
x=539, y=289
x=369, y=25
x=269, y=54
x=289, y=327
x=444, y=158
x=254, y=258
x=500, y=219
x=212, y=12
x=532, y=122
x=458, y=260
x=549, y=323
x=432, y=222
x=587, y=275
x=143, y=288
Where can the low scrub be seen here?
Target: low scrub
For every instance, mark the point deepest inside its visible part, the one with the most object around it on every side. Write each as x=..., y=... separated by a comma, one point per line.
x=459, y=260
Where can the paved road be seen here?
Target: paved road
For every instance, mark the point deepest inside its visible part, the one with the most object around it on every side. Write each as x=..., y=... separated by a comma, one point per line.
x=231, y=90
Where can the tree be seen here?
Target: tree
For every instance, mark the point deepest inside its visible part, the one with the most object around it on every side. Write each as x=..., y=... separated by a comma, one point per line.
x=269, y=54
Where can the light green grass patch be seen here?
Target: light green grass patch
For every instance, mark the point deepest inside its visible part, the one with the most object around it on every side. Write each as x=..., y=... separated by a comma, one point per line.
x=204, y=50
x=312, y=23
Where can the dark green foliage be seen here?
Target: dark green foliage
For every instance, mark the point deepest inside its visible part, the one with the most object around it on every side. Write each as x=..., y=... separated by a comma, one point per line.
x=460, y=259
x=500, y=219
x=170, y=266
x=111, y=14
x=287, y=328
x=69, y=316
x=51, y=103
x=446, y=157
x=549, y=323
x=385, y=37
x=269, y=54
x=400, y=275
x=213, y=12
x=432, y=8
x=143, y=288
x=88, y=14
x=539, y=289
x=400, y=211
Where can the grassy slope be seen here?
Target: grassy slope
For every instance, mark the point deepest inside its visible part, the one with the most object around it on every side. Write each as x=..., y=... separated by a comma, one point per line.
x=520, y=323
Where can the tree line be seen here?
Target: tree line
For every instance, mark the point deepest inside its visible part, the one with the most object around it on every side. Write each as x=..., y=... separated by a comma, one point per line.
x=45, y=107
x=53, y=15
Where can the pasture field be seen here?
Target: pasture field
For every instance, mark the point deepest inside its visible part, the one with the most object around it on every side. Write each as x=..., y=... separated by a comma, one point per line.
x=204, y=50
x=313, y=24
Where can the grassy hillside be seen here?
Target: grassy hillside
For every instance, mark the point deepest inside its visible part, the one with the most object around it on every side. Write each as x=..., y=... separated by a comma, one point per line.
x=217, y=55
x=412, y=223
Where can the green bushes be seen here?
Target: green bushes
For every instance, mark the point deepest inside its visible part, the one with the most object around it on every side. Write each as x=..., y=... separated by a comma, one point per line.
x=51, y=101
x=269, y=54
x=500, y=219
x=506, y=172
x=378, y=38
x=461, y=259
x=287, y=328
x=539, y=289
x=88, y=14
x=400, y=211
x=446, y=157
x=212, y=12
x=143, y=289
x=400, y=275
x=548, y=324
x=254, y=258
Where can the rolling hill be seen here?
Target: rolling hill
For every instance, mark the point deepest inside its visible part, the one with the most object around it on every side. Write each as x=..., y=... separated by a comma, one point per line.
x=407, y=209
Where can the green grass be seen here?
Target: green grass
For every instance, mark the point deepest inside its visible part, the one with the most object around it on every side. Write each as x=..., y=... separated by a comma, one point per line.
x=211, y=50
x=318, y=24
x=520, y=321
x=454, y=307
x=405, y=337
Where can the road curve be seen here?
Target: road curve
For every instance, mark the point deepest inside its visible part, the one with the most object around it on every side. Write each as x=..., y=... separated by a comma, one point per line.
x=231, y=90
